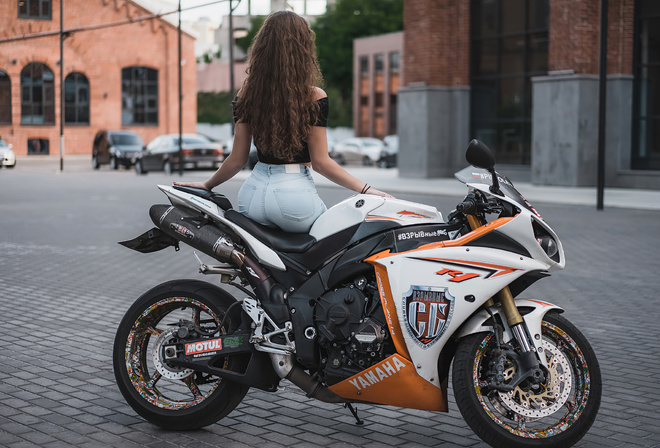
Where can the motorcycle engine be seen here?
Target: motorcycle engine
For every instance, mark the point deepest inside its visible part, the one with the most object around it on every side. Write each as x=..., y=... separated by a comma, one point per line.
x=351, y=329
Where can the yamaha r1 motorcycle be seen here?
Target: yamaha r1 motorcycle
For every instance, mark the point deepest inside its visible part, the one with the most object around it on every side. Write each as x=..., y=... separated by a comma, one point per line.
x=372, y=306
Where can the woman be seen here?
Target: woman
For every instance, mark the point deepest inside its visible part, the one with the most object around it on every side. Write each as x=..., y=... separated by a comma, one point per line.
x=281, y=109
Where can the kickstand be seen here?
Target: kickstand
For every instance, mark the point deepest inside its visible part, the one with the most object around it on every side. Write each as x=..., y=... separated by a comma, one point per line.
x=350, y=407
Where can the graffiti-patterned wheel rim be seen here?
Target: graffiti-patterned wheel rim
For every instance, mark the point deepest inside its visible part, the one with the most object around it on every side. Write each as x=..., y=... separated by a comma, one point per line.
x=165, y=386
x=563, y=396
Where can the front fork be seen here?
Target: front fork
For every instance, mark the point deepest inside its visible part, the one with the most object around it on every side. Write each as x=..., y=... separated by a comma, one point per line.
x=530, y=366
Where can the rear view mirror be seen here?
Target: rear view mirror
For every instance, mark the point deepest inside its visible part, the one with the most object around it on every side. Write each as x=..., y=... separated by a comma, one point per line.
x=480, y=155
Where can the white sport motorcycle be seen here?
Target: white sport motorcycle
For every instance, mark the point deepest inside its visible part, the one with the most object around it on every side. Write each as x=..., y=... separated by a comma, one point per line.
x=372, y=306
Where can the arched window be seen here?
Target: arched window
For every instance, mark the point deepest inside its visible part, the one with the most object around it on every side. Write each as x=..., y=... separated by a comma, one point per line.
x=37, y=95
x=5, y=98
x=139, y=96
x=76, y=99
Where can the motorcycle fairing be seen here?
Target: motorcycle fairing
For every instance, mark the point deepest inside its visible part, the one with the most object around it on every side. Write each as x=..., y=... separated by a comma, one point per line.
x=393, y=382
x=471, y=275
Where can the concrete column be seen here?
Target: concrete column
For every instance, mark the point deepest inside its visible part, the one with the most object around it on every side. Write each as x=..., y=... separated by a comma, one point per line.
x=433, y=130
x=565, y=130
x=618, y=130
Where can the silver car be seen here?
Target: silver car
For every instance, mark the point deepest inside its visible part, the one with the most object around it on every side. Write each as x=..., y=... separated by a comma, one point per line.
x=364, y=150
x=7, y=156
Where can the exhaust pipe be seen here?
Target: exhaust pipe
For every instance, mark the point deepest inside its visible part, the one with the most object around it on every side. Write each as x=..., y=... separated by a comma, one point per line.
x=189, y=228
x=286, y=369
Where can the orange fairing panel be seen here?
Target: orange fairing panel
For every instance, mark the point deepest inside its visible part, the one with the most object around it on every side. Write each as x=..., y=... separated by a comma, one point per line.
x=391, y=314
x=393, y=382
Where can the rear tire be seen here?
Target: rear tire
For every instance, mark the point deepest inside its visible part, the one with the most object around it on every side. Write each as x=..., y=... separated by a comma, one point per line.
x=558, y=414
x=167, y=396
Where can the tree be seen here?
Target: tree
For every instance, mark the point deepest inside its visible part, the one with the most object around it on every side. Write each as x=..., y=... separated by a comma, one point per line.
x=335, y=31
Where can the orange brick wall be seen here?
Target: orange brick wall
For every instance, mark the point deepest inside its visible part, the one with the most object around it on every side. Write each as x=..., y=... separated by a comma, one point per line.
x=437, y=39
x=575, y=36
x=99, y=55
x=436, y=42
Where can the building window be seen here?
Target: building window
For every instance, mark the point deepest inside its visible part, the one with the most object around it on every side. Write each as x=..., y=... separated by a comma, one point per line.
x=139, y=96
x=393, y=90
x=37, y=95
x=76, y=99
x=379, y=91
x=646, y=96
x=38, y=146
x=509, y=45
x=5, y=98
x=363, y=92
x=35, y=9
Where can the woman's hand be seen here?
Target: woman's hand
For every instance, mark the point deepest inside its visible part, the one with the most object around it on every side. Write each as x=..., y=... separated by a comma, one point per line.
x=200, y=185
x=378, y=193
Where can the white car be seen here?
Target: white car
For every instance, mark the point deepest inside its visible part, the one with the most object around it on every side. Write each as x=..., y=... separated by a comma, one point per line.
x=365, y=150
x=7, y=156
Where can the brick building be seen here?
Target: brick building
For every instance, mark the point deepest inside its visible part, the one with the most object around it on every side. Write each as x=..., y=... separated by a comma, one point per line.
x=118, y=77
x=376, y=62
x=522, y=75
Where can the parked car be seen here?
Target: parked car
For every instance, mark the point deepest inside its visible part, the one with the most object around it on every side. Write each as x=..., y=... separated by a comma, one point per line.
x=365, y=150
x=162, y=154
x=7, y=156
x=116, y=148
x=388, y=158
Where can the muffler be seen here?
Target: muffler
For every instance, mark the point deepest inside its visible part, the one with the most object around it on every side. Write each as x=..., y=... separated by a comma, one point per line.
x=194, y=230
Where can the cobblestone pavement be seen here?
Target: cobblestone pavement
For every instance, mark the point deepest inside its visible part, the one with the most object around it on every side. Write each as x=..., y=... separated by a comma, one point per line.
x=65, y=284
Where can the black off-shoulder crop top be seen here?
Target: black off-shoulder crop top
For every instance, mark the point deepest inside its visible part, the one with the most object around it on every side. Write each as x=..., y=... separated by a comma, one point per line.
x=302, y=156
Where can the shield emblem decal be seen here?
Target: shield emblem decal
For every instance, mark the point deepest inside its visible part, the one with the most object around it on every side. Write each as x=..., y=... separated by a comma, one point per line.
x=427, y=311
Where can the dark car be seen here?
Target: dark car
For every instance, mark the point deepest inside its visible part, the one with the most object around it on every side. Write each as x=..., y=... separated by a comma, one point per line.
x=116, y=148
x=162, y=154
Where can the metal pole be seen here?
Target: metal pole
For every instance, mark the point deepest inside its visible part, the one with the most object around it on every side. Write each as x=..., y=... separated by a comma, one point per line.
x=231, y=58
x=602, y=99
x=180, y=100
x=61, y=85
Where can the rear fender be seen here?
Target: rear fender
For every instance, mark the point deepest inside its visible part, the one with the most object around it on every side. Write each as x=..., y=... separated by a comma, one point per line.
x=532, y=312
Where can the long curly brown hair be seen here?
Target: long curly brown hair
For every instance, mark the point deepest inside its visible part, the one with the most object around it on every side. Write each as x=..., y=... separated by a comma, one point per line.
x=277, y=99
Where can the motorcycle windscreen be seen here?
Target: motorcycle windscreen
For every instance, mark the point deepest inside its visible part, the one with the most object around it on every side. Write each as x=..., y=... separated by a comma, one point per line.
x=151, y=241
x=472, y=175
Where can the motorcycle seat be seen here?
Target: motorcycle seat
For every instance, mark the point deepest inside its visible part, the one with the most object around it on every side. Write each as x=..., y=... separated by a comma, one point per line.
x=218, y=199
x=275, y=238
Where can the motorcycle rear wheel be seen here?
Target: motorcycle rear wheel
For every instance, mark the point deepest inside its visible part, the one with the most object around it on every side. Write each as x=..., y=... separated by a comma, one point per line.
x=558, y=414
x=167, y=396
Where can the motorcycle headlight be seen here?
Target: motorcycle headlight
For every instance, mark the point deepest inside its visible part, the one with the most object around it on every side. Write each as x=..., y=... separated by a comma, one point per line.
x=546, y=241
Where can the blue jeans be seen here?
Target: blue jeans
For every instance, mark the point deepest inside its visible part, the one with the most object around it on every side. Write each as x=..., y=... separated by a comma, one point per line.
x=275, y=198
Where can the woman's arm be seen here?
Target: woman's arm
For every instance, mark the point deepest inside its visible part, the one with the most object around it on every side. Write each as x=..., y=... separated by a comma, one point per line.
x=232, y=164
x=323, y=164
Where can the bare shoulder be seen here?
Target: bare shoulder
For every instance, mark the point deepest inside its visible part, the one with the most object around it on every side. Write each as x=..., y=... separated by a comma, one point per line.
x=319, y=93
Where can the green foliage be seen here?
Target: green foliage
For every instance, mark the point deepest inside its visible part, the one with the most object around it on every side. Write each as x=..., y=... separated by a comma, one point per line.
x=336, y=30
x=214, y=107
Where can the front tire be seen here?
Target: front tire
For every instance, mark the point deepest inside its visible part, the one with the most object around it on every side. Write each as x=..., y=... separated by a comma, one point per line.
x=558, y=414
x=167, y=396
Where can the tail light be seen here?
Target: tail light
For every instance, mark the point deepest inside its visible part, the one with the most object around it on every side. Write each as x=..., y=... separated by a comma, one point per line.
x=188, y=152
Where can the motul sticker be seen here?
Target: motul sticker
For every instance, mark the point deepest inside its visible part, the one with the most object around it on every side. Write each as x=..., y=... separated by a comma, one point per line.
x=427, y=310
x=204, y=347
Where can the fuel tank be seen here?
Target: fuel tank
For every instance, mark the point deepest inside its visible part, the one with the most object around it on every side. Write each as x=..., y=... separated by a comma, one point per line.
x=193, y=230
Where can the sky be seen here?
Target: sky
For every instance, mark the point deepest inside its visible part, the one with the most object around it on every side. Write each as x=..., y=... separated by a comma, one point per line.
x=192, y=10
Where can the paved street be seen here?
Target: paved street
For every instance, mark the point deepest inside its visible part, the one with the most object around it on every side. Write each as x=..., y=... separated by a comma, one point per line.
x=65, y=284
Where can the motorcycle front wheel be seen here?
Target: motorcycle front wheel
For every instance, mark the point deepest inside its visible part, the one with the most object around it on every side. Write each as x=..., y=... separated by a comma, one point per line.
x=165, y=395
x=557, y=413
